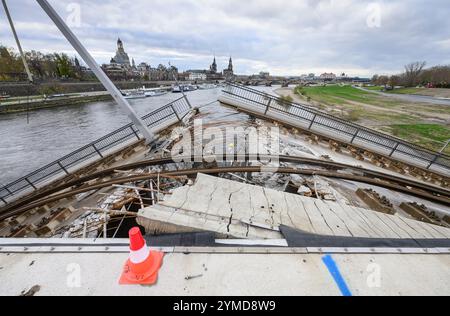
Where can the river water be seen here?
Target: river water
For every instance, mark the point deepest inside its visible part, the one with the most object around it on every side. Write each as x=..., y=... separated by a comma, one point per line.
x=56, y=132
x=53, y=133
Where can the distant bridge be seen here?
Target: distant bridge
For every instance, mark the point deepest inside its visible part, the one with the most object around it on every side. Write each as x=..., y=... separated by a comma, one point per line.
x=268, y=82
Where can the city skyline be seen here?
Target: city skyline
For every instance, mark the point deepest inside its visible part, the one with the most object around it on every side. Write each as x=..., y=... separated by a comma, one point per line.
x=287, y=39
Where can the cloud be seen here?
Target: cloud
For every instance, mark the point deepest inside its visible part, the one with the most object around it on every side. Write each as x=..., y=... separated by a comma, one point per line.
x=284, y=37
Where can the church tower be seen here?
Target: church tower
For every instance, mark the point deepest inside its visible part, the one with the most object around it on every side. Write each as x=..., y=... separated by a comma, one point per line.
x=121, y=56
x=213, y=67
x=229, y=72
x=230, y=65
x=120, y=45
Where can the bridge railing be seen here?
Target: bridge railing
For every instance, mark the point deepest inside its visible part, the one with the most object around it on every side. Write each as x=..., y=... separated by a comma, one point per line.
x=333, y=127
x=172, y=112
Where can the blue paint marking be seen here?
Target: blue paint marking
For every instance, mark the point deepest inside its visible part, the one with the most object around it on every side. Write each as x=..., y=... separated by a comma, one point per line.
x=334, y=270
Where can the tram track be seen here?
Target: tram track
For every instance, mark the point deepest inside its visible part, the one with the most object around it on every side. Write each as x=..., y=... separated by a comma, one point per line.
x=399, y=184
x=287, y=159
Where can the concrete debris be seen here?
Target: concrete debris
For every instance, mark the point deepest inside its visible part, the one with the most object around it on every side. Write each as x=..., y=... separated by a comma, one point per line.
x=88, y=224
x=375, y=201
x=446, y=219
x=421, y=213
x=305, y=191
x=92, y=220
x=48, y=225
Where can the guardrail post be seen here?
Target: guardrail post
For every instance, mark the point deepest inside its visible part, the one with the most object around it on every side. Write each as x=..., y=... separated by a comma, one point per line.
x=135, y=133
x=30, y=183
x=393, y=150
x=6, y=188
x=268, y=106
x=187, y=101
x=434, y=160
x=312, y=122
x=98, y=151
x=175, y=112
x=354, y=136
x=62, y=167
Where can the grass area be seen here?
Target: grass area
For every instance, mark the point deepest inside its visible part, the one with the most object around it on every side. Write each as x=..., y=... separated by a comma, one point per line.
x=428, y=135
x=412, y=122
x=335, y=94
x=375, y=88
x=407, y=90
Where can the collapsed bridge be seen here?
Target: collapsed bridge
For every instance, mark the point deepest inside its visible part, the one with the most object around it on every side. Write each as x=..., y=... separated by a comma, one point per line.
x=320, y=123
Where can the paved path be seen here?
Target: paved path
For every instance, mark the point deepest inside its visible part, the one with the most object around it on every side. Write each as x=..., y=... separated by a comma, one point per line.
x=412, y=97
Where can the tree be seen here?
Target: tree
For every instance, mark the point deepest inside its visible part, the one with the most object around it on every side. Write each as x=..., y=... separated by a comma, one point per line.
x=383, y=80
x=413, y=72
x=11, y=66
x=438, y=76
x=394, y=81
x=173, y=73
x=374, y=80
x=64, y=66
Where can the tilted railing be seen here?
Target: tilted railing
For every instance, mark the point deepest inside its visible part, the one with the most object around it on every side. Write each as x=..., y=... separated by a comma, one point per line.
x=333, y=127
x=173, y=111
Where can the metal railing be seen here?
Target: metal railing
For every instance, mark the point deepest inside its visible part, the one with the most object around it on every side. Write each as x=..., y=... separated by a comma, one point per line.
x=333, y=127
x=97, y=149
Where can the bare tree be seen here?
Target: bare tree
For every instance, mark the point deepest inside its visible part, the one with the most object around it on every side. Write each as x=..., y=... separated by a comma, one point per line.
x=438, y=76
x=413, y=72
x=374, y=79
x=383, y=80
x=394, y=81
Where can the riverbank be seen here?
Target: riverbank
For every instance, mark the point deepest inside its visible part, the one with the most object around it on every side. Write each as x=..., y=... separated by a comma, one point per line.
x=41, y=103
x=17, y=89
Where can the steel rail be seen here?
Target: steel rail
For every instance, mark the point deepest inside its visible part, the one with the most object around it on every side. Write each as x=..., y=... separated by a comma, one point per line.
x=289, y=159
x=145, y=177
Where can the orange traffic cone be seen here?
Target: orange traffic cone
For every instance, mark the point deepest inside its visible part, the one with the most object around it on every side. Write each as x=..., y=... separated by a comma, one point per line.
x=143, y=265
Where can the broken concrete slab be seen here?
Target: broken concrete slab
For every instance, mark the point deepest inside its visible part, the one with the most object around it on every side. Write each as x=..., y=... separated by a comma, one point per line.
x=241, y=210
x=375, y=201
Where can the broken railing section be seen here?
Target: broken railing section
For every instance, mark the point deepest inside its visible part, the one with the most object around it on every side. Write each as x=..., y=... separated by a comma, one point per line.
x=163, y=117
x=307, y=118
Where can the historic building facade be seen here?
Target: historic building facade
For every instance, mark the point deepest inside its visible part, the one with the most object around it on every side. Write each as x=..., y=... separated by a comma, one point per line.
x=122, y=67
x=121, y=57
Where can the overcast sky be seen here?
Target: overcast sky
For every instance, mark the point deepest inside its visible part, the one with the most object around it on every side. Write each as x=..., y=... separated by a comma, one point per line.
x=284, y=37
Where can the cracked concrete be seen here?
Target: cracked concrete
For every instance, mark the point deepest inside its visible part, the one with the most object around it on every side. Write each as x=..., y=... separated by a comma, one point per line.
x=237, y=210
